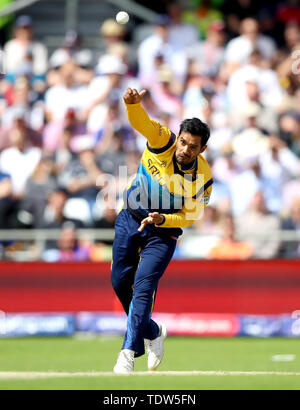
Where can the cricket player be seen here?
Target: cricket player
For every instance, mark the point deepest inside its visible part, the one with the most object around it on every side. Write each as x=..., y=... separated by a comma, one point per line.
x=169, y=191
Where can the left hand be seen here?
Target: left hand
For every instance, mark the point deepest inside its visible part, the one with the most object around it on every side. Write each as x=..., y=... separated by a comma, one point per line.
x=152, y=218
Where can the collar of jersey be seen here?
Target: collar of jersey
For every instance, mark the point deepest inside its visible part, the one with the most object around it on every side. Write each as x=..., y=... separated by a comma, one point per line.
x=179, y=171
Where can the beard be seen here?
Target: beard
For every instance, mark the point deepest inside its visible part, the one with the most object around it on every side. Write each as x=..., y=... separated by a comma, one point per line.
x=183, y=160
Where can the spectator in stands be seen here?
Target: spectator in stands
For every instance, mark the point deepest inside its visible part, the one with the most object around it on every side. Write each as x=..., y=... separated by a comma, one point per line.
x=19, y=160
x=114, y=156
x=208, y=55
x=254, y=72
x=164, y=96
x=107, y=218
x=37, y=191
x=278, y=166
x=23, y=50
x=202, y=16
x=289, y=124
x=228, y=247
x=265, y=116
x=105, y=118
x=23, y=114
x=291, y=249
x=235, y=11
x=288, y=12
x=291, y=192
x=5, y=200
x=54, y=130
x=250, y=140
x=287, y=58
x=80, y=176
x=225, y=167
x=210, y=231
x=71, y=50
x=210, y=223
x=64, y=154
x=54, y=216
x=260, y=228
x=292, y=36
x=219, y=143
x=68, y=247
x=181, y=34
x=158, y=46
x=108, y=86
x=112, y=33
x=65, y=95
x=239, y=49
x=245, y=182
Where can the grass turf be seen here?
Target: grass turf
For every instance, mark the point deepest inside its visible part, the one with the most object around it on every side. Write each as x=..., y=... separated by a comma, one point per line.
x=99, y=354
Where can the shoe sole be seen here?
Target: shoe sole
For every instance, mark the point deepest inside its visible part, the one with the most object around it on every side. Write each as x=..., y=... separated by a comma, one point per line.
x=164, y=334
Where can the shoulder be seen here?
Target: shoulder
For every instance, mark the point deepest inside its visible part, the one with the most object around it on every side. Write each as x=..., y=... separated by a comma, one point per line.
x=203, y=167
x=55, y=91
x=10, y=44
x=39, y=46
x=235, y=42
x=8, y=151
x=167, y=148
x=149, y=44
x=263, y=39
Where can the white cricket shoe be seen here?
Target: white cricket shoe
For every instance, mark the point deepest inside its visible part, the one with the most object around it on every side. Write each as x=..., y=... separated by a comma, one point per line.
x=155, y=348
x=125, y=362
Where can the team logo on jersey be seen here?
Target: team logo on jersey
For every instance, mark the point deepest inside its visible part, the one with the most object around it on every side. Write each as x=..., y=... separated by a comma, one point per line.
x=205, y=199
x=163, y=163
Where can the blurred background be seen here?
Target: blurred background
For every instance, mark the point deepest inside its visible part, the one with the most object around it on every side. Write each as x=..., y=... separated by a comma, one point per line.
x=234, y=64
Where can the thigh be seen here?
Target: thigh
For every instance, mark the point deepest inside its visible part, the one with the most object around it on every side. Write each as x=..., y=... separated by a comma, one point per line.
x=155, y=257
x=126, y=251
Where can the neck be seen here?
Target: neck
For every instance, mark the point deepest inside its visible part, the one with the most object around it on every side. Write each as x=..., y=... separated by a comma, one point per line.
x=186, y=167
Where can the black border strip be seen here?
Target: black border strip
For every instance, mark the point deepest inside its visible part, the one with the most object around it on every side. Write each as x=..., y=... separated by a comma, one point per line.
x=165, y=148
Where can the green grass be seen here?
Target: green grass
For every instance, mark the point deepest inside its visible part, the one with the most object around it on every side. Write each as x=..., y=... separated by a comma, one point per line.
x=99, y=354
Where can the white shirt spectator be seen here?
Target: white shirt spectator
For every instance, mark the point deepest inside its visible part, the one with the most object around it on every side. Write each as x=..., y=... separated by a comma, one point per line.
x=19, y=165
x=59, y=99
x=15, y=55
x=242, y=189
x=147, y=52
x=270, y=91
x=239, y=49
x=99, y=87
x=182, y=36
x=291, y=192
x=207, y=56
x=276, y=174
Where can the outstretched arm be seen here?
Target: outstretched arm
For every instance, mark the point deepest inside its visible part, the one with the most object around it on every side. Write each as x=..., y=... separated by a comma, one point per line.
x=157, y=135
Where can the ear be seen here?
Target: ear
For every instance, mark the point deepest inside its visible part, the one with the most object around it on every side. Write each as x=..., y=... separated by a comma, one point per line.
x=203, y=149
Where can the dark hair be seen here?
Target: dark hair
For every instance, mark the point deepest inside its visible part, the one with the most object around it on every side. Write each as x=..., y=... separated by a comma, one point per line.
x=196, y=127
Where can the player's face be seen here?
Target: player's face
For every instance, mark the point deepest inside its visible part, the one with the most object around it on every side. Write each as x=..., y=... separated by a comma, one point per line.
x=188, y=147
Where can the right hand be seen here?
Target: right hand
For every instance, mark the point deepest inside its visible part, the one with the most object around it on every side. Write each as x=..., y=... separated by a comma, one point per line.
x=132, y=96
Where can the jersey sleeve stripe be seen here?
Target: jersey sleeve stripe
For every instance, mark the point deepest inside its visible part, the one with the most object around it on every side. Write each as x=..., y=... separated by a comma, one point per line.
x=204, y=188
x=165, y=148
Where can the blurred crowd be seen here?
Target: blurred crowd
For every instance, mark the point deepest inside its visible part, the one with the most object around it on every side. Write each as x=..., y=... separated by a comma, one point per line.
x=234, y=65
